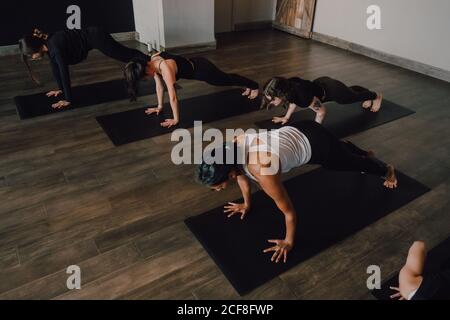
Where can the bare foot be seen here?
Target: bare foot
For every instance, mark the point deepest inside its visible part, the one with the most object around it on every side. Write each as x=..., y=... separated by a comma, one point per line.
x=391, y=178
x=253, y=94
x=367, y=104
x=246, y=93
x=377, y=103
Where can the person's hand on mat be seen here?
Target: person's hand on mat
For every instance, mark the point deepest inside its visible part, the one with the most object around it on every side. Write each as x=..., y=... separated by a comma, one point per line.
x=282, y=120
x=236, y=208
x=53, y=93
x=396, y=295
x=280, y=250
x=156, y=110
x=169, y=123
x=61, y=104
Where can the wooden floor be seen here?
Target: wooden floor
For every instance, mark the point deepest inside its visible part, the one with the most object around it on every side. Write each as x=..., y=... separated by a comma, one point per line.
x=68, y=196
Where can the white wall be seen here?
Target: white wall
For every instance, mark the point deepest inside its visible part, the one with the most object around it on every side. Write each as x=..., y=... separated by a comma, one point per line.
x=188, y=22
x=414, y=29
x=149, y=21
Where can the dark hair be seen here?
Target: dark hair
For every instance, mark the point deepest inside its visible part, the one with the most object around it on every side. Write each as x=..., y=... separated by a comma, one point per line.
x=133, y=72
x=31, y=44
x=217, y=173
x=277, y=87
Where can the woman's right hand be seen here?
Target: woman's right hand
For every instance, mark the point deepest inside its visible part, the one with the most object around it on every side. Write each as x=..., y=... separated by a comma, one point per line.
x=236, y=208
x=282, y=120
x=53, y=93
x=153, y=110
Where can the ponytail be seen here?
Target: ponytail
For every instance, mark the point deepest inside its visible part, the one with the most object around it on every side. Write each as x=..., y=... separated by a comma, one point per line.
x=39, y=34
x=133, y=72
x=277, y=87
x=29, y=45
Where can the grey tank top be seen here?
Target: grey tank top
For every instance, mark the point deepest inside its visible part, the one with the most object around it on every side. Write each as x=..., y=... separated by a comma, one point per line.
x=290, y=145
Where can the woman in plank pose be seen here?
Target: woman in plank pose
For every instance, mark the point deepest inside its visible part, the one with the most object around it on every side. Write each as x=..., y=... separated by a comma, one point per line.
x=168, y=68
x=266, y=156
x=414, y=284
x=296, y=92
x=70, y=47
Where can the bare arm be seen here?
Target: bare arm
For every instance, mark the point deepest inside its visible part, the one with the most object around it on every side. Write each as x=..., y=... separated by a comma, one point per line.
x=160, y=90
x=290, y=111
x=273, y=186
x=416, y=259
x=285, y=119
x=169, y=78
x=246, y=189
x=320, y=110
x=411, y=273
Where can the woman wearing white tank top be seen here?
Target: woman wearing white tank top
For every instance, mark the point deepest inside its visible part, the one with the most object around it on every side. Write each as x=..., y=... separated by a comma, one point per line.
x=263, y=158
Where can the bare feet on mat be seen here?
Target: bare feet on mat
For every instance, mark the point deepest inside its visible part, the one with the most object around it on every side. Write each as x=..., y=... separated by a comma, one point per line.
x=367, y=104
x=251, y=94
x=61, y=104
x=377, y=103
x=391, y=179
x=247, y=92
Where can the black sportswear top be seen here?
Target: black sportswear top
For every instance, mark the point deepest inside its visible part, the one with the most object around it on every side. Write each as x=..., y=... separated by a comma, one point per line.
x=66, y=48
x=184, y=66
x=304, y=92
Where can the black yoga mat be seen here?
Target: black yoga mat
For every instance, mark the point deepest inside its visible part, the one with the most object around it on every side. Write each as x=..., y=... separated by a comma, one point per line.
x=330, y=206
x=345, y=120
x=438, y=259
x=134, y=125
x=39, y=104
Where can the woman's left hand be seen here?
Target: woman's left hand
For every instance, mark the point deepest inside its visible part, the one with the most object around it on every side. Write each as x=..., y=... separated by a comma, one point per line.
x=169, y=123
x=282, y=120
x=61, y=104
x=396, y=295
x=280, y=250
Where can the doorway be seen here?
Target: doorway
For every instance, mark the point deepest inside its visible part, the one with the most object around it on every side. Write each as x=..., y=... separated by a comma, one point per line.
x=295, y=16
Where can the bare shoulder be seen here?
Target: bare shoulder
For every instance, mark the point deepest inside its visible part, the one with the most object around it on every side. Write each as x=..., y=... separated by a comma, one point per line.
x=259, y=161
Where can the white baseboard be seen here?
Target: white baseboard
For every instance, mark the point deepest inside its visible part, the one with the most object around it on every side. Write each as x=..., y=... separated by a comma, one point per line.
x=194, y=48
x=384, y=57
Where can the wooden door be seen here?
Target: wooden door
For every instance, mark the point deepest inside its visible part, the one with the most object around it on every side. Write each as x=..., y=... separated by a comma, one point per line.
x=295, y=16
x=223, y=16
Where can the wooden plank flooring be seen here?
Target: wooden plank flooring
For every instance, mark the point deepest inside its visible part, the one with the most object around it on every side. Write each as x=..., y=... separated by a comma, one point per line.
x=68, y=196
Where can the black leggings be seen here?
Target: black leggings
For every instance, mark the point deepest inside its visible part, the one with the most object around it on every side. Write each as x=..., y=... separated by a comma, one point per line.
x=205, y=70
x=105, y=43
x=334, y=154
x=340, y=93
